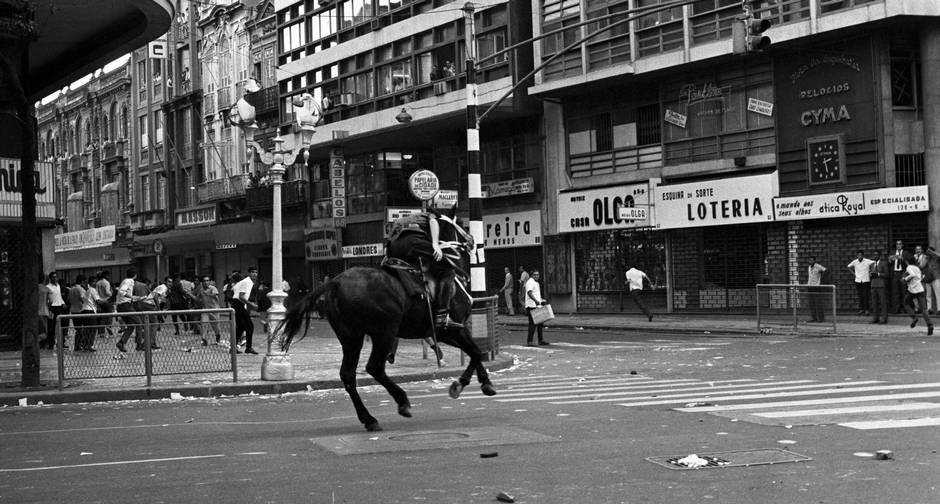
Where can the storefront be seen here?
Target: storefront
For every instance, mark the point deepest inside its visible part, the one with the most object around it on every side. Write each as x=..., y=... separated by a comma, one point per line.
x=609, y=230
x=720, y=238
x=513, y=239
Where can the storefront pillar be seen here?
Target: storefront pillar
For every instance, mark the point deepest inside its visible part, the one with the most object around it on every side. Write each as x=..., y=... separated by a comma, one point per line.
x=930, y=75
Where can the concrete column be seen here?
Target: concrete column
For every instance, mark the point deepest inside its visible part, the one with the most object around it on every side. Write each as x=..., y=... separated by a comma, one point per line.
x=930, y=76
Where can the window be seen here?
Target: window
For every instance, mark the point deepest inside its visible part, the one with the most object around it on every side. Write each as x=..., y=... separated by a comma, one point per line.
x=394, y=77
x=161, y=193
x=589, y=134
x=125, y=122
x=293, y=37
x=142, y=81
x=905, y=74
x=158, y=128
x=145, y=193
x=360, y=85
x=144, y=138
x=355, y=12
x=490, y=43
x=558, y=9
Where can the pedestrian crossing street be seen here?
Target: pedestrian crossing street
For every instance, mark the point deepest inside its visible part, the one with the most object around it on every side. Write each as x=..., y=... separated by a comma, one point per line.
x=856, y=404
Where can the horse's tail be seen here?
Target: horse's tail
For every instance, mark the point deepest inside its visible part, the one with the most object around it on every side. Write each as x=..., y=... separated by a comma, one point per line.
x=297, y=314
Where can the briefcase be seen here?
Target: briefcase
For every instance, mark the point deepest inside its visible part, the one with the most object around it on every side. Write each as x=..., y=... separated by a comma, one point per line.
x=542, y=314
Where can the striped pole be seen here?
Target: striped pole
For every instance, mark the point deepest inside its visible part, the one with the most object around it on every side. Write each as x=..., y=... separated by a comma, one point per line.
x=474, y=184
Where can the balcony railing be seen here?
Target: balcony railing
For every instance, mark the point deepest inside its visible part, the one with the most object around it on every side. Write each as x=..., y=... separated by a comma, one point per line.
x=266, y=101
x=222, y=189
x=293, y=194
x=225, y=98
x=113, y=149
x=616, y=161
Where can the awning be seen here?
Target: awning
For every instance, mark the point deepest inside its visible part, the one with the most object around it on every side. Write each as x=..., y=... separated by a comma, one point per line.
x=98, y=257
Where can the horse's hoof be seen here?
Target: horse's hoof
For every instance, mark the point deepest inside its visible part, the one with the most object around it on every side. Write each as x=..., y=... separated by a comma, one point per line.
x=405, y=410
x=373, y=427
x=488, y=389
x=455, y=390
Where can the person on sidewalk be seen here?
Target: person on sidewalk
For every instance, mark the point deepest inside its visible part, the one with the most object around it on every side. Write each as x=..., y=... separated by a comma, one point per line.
x=105, y=294
x=77, y=296
x=862, y=269
x=241, y=303
x=44, y=313
x=523, y=278
x=56, y=305
x=816, y=294
x=635, y=279
x=124, y=303
x=915, y=294
x=931, y=281
x=208, y=295
x=86, y=341
x=146, y=301
x=898, y=259
x=880, y=276
x=507, y=290
x=533, y=298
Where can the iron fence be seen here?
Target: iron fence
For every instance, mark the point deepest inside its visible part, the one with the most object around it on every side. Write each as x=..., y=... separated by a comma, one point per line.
x=145, y=343
x=804, y=308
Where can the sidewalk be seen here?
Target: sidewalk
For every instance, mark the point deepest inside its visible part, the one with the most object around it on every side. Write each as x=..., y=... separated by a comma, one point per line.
x=316, y=358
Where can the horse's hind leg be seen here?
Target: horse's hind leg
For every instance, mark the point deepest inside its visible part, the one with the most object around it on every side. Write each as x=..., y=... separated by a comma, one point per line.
x=352, y=346
x=376, y=368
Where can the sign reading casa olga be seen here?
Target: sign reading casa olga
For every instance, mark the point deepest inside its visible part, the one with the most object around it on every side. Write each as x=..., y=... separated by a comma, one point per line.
x=595, y=209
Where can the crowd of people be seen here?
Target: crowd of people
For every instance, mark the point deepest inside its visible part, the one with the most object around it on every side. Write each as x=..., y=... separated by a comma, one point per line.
x=120, y=305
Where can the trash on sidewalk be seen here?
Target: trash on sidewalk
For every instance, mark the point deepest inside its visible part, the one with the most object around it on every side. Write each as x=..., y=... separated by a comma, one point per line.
x=884, y=455
x=176, y=396
x=698, y=404
x=505, y=497
x=693, y=461
x=24, y=401
x=488, y=454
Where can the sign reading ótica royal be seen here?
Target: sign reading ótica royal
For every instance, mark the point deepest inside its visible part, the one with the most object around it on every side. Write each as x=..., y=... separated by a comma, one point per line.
x=888, y=200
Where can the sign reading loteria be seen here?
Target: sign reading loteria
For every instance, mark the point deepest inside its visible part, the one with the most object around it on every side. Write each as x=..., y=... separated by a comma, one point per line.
x=889, y=200
x=595, y=209
x=737, y=200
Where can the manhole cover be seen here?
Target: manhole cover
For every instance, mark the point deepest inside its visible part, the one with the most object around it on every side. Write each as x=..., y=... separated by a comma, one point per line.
x=741, y=458
x=429, y=437
x=393, y=441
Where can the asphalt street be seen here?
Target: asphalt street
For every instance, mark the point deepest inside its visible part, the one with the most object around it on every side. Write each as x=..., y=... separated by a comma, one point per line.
x=597, y=416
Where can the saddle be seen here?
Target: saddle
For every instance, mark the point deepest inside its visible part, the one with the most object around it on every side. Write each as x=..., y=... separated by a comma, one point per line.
x=410, y=277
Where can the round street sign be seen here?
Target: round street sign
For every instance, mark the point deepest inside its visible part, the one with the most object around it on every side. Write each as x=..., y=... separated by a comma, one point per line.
x=423, y=184
x=158, y=247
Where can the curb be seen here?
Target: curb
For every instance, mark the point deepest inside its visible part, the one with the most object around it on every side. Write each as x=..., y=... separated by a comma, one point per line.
x=55, y=396
x=664, y=330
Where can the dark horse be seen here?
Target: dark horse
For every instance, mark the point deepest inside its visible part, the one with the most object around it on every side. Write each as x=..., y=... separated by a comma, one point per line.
x=370, y=301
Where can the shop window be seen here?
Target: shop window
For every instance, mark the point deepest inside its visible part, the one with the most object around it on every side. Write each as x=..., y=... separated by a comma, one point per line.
x=905, y=75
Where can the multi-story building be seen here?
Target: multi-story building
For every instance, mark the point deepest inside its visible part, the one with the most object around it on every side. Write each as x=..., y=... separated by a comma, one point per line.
x=84, y=133
x=390, y=77
x=744, y=166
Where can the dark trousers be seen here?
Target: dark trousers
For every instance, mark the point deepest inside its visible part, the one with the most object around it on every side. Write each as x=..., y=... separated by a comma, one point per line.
x=920, y=299
x=817, y=304
x=85, y=331
x=131, y=325
x=50, y=324
x=898, y=291
x=879, y=302
x=243, y=323
x=533, y=327
x=635, y=295
x=863, y=289
x=104, y=322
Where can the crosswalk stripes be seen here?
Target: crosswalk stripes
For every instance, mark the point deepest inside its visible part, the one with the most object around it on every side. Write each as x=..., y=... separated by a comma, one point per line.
x=857, y=404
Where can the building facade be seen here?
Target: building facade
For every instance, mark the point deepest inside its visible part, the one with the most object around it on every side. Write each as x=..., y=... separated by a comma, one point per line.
x=84, y=132
x=738, y=168
x=390, y=76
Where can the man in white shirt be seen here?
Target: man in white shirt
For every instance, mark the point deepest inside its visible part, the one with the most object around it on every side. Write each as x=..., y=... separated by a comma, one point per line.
x=635, y=279
x=56, y=306
x=816, y=294
x=915, y=295
x=240, y=302
x=124, y=302
x=862, y=269
x=533, y=299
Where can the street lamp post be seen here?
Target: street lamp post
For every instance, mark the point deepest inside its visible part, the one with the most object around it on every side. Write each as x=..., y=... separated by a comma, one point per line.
x=276, y=365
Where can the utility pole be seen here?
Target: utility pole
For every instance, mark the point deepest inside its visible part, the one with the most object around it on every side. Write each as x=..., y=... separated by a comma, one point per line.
x=474, y=179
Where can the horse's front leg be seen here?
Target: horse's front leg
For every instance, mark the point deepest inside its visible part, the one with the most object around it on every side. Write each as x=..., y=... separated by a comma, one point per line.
x=460, y=338
x=376, y=368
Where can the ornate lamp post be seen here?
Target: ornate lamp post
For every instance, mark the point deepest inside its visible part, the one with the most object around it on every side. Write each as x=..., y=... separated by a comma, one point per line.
x=276, y=364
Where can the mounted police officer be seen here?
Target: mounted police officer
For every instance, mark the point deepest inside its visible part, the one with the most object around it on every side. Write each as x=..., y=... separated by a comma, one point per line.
x=416, y=239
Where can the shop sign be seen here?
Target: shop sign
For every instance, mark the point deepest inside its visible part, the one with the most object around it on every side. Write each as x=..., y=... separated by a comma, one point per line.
x=760, y=107
x=11, y=189
x=596, y=209
x=737, y=200
x=393, y=214
x=85, y=239
x=364, y=250
x=509, y=230
x=508, y=187
x=338, y=186
x=889, y=200
x=195, y=216
x=423, y=184
x=675, y=118
x=321, y=244
x=444, y=199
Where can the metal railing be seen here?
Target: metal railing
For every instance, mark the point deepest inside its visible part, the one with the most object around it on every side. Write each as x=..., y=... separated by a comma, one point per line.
x=784, y=305
x=156, y=342
x=482, y=326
